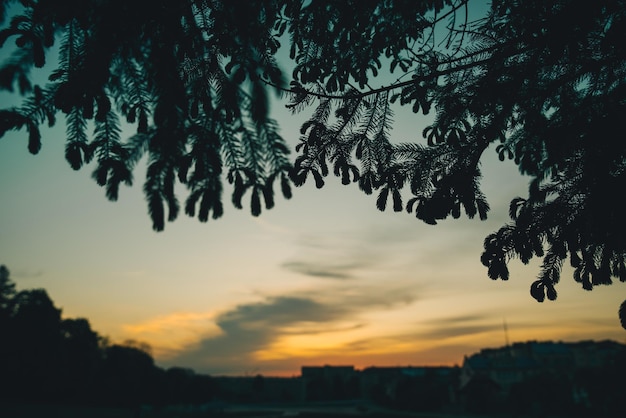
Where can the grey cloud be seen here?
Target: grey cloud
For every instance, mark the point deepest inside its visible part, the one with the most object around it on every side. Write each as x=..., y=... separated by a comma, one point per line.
x=455, y=326
x=250, y=327
x=455, y=331
x=278, y=311
x=461, y=319
x=366, y=297
x=335, y=258
x=325, y=329
x=437, y=329
x=444, y=350
x=26, y=274
x=316, y=270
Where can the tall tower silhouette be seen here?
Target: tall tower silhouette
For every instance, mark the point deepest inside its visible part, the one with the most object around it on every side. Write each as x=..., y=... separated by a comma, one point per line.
x=506, y=332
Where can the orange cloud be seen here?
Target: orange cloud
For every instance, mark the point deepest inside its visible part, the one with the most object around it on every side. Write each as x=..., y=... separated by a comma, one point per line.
x=169, y=334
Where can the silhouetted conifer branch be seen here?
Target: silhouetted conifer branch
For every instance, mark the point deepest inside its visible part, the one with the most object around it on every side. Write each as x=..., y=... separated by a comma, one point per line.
x=542, y=81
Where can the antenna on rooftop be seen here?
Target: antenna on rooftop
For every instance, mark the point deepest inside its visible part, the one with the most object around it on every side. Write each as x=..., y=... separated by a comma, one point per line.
x=506, y=332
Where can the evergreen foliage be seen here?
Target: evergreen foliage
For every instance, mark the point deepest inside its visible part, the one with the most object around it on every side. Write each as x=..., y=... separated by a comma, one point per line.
x=189, y=76
x=545, y=81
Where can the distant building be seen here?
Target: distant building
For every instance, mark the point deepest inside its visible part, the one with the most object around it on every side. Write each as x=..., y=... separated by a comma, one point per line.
x=595, y=354
x=379, y=383
x=501, y=367
x=326, y=370
x=508, y=365
x=482, y=384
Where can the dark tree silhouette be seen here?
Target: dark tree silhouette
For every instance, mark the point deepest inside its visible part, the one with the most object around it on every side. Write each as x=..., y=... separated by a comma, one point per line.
x=185, y=386
x=526, y=396
x=605, y=387
x=47, y=359
x=34, y=346
x=82, y=359
x=7, y=288
x=129, y=376
x=543, y=82
x=7, y=291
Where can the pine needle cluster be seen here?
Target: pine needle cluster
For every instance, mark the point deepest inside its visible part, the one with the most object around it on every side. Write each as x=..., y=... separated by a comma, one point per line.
x=543, y=81
x=188, y=76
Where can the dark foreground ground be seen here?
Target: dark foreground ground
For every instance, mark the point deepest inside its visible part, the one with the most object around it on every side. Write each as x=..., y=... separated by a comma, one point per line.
x=55, y=411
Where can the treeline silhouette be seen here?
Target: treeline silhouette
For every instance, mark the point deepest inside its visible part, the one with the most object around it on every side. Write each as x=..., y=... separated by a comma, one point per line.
x=47, y=359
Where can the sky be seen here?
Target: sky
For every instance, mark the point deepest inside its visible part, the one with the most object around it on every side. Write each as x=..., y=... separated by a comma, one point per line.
x=323, y=278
